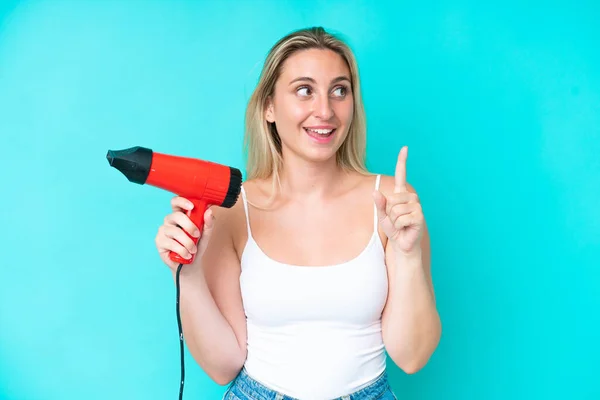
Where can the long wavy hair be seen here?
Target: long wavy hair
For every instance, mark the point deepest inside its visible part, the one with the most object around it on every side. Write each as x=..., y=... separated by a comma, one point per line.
x=262, y=144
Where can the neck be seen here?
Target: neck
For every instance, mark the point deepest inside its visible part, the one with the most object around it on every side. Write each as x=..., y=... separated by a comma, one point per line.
x=304, y=179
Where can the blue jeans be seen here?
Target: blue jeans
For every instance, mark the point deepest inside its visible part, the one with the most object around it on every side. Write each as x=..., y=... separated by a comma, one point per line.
x=244, y=387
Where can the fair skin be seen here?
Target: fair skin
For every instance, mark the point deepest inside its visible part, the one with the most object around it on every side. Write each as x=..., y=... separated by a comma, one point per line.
x=328, y=213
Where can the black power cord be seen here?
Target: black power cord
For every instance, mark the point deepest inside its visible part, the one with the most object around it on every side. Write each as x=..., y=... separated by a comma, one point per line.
x=180, y=335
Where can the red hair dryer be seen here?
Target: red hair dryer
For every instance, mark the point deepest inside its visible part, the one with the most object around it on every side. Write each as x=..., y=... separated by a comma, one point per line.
x=204, y=183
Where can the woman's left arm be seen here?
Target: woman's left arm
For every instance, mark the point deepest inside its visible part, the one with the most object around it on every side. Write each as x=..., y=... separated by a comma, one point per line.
x=411, y=324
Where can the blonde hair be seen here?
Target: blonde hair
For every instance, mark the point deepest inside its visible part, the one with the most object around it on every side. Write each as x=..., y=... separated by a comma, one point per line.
x=261, y=140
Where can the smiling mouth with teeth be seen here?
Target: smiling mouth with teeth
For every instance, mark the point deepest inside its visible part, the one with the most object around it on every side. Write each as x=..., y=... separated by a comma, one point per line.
x=319, y=133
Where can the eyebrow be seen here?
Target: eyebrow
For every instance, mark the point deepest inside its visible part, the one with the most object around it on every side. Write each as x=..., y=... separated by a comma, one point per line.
x=307, y=78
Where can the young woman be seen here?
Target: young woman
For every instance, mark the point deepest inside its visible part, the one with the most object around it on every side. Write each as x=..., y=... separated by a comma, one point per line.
x=301, y=288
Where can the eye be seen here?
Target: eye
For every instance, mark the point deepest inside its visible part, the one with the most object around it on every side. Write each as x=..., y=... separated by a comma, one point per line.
x=303, y=91
x=341, y=90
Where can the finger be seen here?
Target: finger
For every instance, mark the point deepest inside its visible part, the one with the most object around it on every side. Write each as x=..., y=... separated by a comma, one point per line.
x=174, y=246
x=174, y=233
x=399, y=210
x=400, y=198
x=401, y=218
x=400, y=174
x=179, y=203
x=404, y=221
x=380, y=204
x=182, y=220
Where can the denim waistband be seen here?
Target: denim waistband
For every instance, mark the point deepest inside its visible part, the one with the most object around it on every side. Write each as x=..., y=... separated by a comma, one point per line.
x=247, y=388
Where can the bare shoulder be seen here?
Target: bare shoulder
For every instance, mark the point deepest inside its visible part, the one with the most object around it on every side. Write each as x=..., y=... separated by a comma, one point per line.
x=259, y=191
x=230, y=224
x=229, y=216
x=233, y=221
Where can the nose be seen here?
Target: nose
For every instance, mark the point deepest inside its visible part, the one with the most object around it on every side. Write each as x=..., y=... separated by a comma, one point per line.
x=323, y=108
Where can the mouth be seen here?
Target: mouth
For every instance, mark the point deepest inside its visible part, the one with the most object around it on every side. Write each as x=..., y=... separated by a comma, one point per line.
x=321, y=135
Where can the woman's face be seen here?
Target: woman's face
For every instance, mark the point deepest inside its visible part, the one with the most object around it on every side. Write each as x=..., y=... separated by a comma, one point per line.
x=312, y=106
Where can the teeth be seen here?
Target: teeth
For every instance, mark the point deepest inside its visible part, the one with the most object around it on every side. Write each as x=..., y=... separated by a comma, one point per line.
x=321, y=131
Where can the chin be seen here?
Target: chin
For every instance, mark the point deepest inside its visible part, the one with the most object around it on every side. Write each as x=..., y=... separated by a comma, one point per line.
x=319, y=157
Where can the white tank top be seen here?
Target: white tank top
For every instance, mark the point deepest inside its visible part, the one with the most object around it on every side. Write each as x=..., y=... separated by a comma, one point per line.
x=314, y=332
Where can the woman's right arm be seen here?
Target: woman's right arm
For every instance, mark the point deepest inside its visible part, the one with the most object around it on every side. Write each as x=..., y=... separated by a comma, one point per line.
x=210, y=304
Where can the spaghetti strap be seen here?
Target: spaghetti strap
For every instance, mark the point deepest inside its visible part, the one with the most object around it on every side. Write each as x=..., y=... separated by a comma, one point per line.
x=245, y=201
x=375, y=219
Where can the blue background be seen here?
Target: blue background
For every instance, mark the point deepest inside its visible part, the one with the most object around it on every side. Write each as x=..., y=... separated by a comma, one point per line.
x=498, y=102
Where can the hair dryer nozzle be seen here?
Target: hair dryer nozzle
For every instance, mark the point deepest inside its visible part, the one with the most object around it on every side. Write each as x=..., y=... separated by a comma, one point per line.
x=134, y=163
x=235, y=187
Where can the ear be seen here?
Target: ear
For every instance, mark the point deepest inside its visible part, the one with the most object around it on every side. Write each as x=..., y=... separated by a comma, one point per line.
x=269, y=114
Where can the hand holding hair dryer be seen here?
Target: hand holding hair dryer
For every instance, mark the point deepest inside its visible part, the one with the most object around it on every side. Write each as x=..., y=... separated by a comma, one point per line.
x=202, y=182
